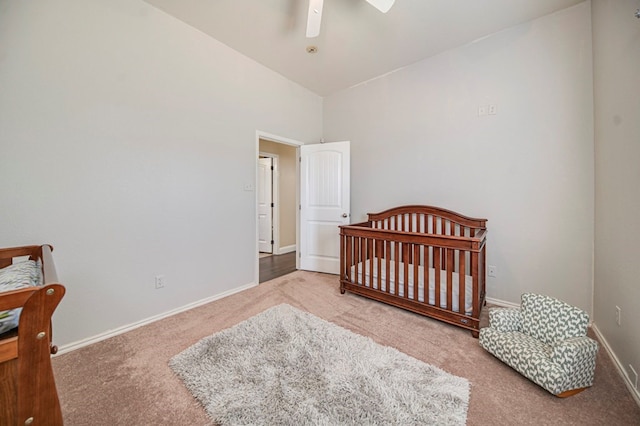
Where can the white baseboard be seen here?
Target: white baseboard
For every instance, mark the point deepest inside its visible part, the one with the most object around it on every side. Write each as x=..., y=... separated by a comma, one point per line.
x=501, y=303
x=627, y=381
x=287, y=249
x=120, y=330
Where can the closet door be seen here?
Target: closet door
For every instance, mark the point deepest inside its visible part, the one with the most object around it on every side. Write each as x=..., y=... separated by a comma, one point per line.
x=265, y=209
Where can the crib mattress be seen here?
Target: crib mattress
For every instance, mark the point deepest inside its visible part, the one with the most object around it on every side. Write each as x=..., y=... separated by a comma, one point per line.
x=14, y=277
x=357, y=271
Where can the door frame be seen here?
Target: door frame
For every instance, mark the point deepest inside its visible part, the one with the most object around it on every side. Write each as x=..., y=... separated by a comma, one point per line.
x=275, y=211
x=286, y=141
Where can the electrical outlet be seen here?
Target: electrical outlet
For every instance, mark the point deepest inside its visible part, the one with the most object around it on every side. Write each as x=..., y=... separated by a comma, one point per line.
x=493, y=109
x=482, y=110
x=492, y=270
x=633, y=376
x=159, y=281
x=618, y=315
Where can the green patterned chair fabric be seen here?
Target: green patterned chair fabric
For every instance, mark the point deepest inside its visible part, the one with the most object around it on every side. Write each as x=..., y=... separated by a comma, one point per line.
x=545, y=341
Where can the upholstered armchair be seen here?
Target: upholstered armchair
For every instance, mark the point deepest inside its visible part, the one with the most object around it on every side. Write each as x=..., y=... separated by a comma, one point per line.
x=545, y=341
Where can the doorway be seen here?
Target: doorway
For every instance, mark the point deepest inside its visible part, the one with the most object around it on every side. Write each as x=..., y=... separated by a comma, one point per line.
x=276, y=206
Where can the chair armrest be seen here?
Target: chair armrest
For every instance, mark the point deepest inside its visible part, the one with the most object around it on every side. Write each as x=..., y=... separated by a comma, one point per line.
x=505, y=319
x=574, y=354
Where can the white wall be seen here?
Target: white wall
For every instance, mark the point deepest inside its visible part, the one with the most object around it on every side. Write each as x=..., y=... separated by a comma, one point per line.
x=416, y=137
x=616, y=46
x=126, y=138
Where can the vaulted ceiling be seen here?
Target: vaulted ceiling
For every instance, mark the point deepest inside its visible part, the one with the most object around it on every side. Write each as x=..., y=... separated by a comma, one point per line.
x=356, y=42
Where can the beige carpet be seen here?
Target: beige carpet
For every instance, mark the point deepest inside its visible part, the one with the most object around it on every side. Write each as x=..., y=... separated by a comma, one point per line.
x=126, y=380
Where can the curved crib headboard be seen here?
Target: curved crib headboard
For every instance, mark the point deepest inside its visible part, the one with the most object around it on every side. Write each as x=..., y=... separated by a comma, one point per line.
x=427, y=219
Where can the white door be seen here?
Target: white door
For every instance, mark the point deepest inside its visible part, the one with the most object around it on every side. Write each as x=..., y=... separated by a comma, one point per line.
x=265, y=212
x=324, y=204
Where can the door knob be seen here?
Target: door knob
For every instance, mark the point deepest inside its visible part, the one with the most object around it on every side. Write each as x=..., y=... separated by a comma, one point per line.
x=345, y=215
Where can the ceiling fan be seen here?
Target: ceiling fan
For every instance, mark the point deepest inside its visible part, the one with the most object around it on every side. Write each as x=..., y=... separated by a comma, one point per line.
x=315, y=13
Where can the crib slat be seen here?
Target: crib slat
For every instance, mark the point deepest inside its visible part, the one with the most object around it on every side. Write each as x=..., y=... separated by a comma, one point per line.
x=343, y=256
x=475, y=275
x=436, y=265
x=449, y=279
x=425, y=274
x=349, y=260
x=416, y=266
x=370, y=255
x=364, y=254
x=379, y=256
x=387, y=275
x=462, y=281
x=396, y=269
x=356, y=259
x=405, y=260
x=482, y=273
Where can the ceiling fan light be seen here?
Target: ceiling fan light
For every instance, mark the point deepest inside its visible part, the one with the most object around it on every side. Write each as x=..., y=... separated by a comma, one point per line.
x=382, y=5
x=314, y=18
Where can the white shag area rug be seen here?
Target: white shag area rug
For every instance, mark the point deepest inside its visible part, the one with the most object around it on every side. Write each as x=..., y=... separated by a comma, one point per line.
x=284, y=366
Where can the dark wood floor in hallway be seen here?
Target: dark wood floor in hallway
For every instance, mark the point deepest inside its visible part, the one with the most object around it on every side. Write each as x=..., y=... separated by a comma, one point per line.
x=277, y=265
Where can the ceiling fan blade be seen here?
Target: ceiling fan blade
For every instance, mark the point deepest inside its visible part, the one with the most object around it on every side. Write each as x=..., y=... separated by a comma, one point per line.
x=382, y=5
x=314, y=18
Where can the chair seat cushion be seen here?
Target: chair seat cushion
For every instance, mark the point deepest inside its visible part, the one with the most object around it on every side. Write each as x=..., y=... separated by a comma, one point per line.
x=527, y=355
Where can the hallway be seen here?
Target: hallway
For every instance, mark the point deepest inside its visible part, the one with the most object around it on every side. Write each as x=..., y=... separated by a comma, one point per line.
x=275, y=266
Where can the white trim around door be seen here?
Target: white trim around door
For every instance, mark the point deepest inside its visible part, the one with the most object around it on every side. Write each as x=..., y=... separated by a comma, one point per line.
x=286, y=141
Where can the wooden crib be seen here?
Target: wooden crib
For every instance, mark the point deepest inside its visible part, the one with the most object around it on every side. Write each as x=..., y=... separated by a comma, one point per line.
x=413, y=256
x=28, y=393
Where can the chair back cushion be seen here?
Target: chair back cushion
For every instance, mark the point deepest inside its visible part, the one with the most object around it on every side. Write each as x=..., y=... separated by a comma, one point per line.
x=551, y=320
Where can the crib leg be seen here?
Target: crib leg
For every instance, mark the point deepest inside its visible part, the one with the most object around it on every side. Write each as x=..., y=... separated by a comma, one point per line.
x=342, y=290
x=475, y=334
